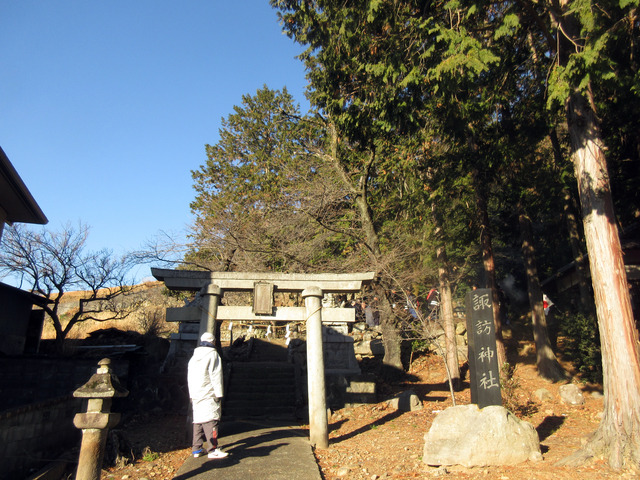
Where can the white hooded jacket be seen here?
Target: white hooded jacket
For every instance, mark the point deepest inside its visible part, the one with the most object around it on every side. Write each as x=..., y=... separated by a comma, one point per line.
x=205, y=382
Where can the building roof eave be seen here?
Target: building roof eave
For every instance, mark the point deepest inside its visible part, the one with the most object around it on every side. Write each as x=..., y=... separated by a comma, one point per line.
x=15, y=198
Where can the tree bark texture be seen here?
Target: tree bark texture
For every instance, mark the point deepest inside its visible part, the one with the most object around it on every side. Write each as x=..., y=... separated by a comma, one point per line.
x=391, y=336
x=579, y=257
x=391, y=339
x=546, y=361
x=618, y=436
x=446, y=316
x=489, y=265
x=570, y=216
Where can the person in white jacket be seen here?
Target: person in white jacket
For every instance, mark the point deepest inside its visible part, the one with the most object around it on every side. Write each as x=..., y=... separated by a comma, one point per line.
x=205, y=382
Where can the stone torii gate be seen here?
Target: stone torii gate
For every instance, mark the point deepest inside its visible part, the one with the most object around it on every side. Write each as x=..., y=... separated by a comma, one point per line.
x=212, y=285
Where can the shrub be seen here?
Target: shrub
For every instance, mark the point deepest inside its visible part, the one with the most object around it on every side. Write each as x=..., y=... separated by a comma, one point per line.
x=510, y=389
x=152, y=322
x=582, y=344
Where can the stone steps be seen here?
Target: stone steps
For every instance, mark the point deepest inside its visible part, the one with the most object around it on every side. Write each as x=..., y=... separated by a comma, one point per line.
x=260, y=389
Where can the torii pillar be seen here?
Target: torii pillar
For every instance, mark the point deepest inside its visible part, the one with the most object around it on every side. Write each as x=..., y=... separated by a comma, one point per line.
x=210, y=300
x=318, y=424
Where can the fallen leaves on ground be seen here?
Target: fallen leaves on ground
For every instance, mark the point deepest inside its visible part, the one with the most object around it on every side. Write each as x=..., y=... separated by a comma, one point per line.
x=376, y=442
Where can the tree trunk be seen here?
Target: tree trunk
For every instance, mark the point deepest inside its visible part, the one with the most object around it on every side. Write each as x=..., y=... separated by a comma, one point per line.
x=226, y=263
x=546, y=361
x=489, y=265
x=572, y=228
x=61, y=333
x=58, y=343
x=446, y=316
x=580, y=259
x=391, y=339
x=391, y=336
x=618, y=436
x=359, y=191
x=446, y=305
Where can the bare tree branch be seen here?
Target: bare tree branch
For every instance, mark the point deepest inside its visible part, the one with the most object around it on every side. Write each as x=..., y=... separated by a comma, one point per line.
x=54, y=263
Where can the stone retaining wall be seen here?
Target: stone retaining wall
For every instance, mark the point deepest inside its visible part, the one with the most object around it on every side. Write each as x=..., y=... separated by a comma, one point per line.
x=37, y=409
x=34, y=435
x=26, y=380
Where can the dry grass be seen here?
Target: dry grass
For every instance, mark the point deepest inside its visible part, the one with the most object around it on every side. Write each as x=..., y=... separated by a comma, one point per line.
x=148, y=318
x=83, y=329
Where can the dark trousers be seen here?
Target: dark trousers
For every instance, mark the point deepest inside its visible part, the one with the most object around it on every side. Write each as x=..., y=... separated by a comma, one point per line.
x=205, y=431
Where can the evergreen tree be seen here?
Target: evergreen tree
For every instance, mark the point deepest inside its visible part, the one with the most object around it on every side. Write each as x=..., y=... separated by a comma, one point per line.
x=261, y=197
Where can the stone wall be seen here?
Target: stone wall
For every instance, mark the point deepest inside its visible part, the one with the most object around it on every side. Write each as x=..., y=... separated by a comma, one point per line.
x=25, y=380
x=37, y=409
x=36, y=434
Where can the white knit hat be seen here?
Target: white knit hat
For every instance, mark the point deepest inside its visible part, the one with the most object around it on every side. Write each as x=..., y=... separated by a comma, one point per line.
x=207, y=337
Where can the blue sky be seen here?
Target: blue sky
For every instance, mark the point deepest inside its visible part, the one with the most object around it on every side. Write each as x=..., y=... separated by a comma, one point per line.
x=105, y=107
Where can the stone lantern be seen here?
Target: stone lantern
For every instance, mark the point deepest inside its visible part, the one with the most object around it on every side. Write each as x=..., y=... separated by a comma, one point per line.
x=100, y=390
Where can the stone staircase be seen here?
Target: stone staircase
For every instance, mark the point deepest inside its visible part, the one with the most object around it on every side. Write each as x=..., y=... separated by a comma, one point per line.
x=260, y=389
x=263, y=386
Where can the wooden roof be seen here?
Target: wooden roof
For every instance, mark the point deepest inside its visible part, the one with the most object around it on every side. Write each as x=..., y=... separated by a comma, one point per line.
x=15, y=198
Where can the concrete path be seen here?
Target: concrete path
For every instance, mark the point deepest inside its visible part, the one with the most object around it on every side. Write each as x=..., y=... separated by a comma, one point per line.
x=263, y=451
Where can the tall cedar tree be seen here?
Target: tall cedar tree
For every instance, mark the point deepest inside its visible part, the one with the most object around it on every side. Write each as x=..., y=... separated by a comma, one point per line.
x=262, y=198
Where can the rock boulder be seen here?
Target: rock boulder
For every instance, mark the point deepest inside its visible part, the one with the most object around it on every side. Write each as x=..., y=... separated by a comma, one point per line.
x=571, y=394
x=407, y=401
x=469, y=436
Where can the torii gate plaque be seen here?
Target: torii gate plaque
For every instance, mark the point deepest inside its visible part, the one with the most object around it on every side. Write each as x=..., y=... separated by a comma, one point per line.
x=212, y=286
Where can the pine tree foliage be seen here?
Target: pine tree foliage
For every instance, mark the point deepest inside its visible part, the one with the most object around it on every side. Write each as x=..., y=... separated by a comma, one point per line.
x=271, y=198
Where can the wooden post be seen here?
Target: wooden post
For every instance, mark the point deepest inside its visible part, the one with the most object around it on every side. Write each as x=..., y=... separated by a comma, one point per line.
x=318, y=424
x=210, y=300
